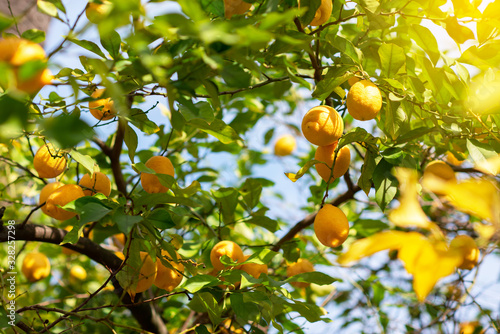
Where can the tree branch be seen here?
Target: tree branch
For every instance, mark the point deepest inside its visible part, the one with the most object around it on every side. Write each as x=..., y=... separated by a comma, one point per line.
x=145, y=314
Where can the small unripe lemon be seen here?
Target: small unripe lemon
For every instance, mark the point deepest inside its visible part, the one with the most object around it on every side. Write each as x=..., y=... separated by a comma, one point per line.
x=331, y=226
x=364, y=100
x=150, y=182
x=49, y=162
x=299, y=267
x=77, y=274
x=168, y=278
x=322, y=126
x=98, y=183
x=46, y=191
x=469, y=250
x=36, y=266
x=228, y=248
x=326, y=154
x=285, y=145
x=61, y=197
x=254, y=269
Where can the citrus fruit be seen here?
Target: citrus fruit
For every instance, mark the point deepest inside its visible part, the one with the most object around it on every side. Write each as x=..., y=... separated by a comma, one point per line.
x=322, y=126
x=229, y=248
x=285, y=145
x=36, y=266
x=49, y=162
x=46, y=191
x=470, y=327
x=253, y=269
x=77, y=274
x=119, y=240
x=352, y=80
x=102, y=109
x=326, y=154
x=468, y=248
x=168, y=278
x=60, y=197
x=36, y=82
x=235, y=7
x=96, y=12
x=98, y=183
x=147, y=274
x=18, y=51
x=151, y=182
x=331, y=226
x=450, y=157
x=299, y=267
x=364, y=100
x=436, y=173
x=323, y=13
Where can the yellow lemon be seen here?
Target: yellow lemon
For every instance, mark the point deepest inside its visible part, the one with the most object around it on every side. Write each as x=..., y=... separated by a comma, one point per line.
x=18, y=51
x=150, y=182
x=46, y=191
x=49, y=162
x=168, y=278
x=229, y=248
x=436, y=174
x=299, y=267
x=364, y=100
x=470, y=327
x=468, y=248
x=102, y=109
x=77, y=274
x=331, y=226
x=61, y=197
x=323, y=13
x=254, y=269
x=322, y=126
x=326, y=154
x=98, y=183
x=147, y=275
x=450, y=157
x=36, y=266
x=235, y=7
x=36, y=82
x=285, y=145
x=96, y=12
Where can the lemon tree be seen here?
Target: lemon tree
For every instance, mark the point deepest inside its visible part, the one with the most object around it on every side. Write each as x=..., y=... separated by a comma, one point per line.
x=251, y=167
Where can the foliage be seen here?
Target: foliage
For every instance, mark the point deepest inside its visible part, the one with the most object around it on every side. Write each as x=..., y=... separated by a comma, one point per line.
x=212, y=94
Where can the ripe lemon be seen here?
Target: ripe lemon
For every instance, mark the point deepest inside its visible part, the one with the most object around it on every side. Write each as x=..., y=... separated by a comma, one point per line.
x=102, y=109
x=436, y=173
x=36, y=266
x=469, y=327
x=229, y=248
x=46, y=191
x=77, y=274
x=147, y=274
x=327, y=155
x=468, y=248
x=450, y=157
x=36, y=82
x=323, y=13
x=322, y=126
x=150, y=182
x=96, y=12
x=61, y=197
x=119, y=240
x=18, y=51
x=49, y=162
x=167, y=278
x=352, y=80
x=235, y=7
x=299, y=267
x=364, y=100
x=98, y=183
x=254, y=269
x=285, y=145
x=331, y=226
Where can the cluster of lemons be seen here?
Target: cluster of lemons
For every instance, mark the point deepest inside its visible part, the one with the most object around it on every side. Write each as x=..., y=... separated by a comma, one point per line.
x=28, y=62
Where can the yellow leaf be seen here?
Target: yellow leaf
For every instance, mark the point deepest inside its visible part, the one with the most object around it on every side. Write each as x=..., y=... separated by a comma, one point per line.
x=485, y=231
x=373, y=244
x=490, y=166
x=409, y=213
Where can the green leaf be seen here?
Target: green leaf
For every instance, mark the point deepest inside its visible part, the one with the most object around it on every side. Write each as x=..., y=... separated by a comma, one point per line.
x=392, y=58
x=333, y=78
x=265, y=222
x=111, y=42
x=211, y=307
x=161, y=219
x=367, y=227
x=244, y=309
x=385, y=184
x=311, y=8
x=218, y=129
x=365, y=180
x=458, y=32
x=346, y=47
x=479, y=152
x=235, y=76
x=250, y=191
x=226, y=199
x=315, y=277
x=361, y=136
x=34, y=35
x=151, y=200
x=140, y=119
x=47, y=7
x=131, y=140
x=370, y=5
x=489, y=26
x=90, y=209
x=310, y=311
x=87, y=45
x=125, y=222
x=67, y=129
x=415, y=133
x=85, y=160
x=426, y=40
x=294, y=177
x=198, y=282
x=5, y=22
x=200, y=110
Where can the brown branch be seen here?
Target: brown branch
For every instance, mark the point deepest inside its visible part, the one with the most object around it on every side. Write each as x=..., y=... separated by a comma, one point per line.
x=144, y=313
x=309, y=219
